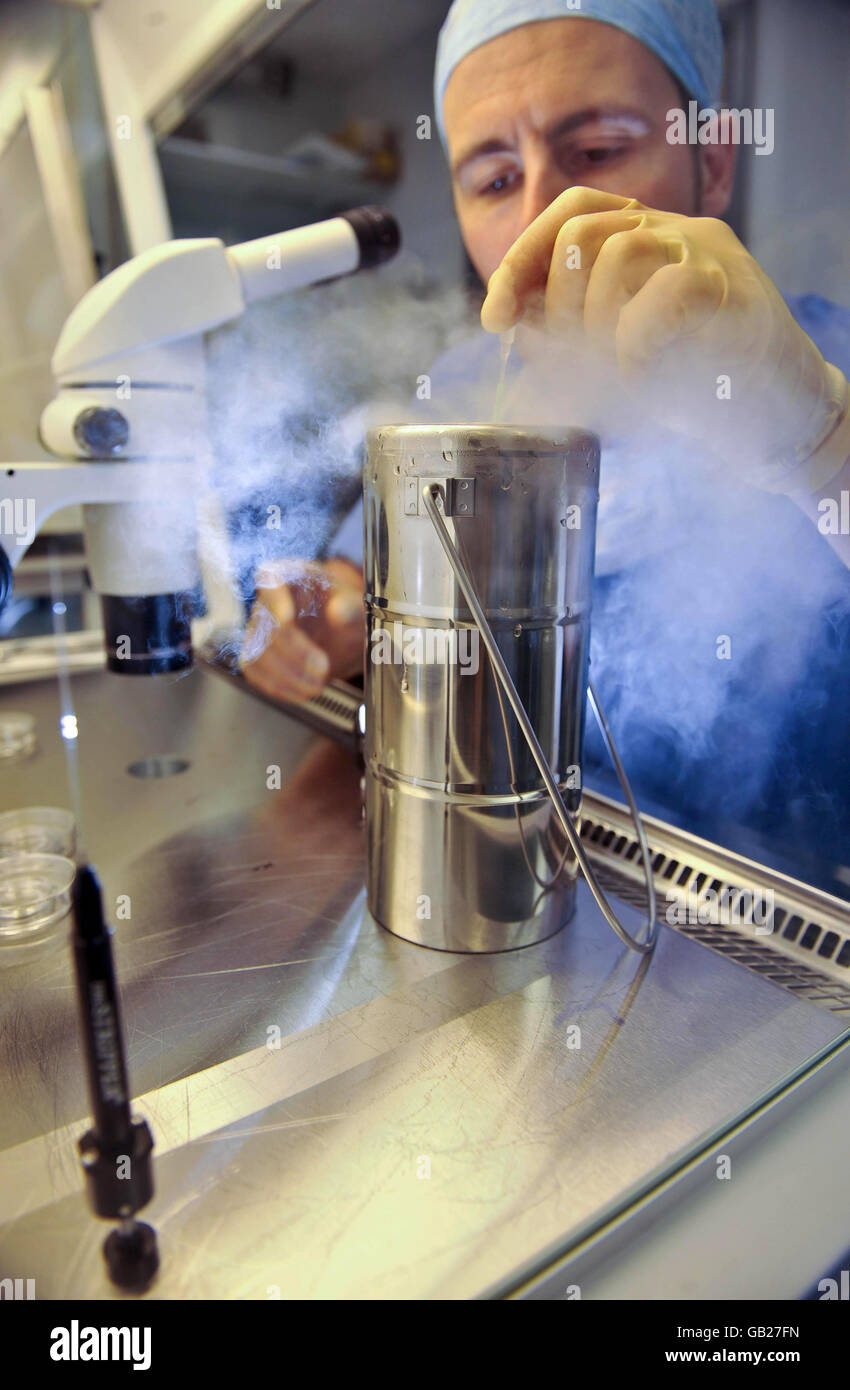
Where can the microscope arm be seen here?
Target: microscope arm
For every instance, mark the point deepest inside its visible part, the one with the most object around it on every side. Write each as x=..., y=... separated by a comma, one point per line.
x=31, y=492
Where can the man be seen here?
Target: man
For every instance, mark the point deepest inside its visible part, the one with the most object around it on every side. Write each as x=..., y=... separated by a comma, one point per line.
x=600, y=239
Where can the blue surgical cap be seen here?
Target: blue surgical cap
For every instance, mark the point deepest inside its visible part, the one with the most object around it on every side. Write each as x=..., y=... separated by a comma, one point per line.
x=684, y=34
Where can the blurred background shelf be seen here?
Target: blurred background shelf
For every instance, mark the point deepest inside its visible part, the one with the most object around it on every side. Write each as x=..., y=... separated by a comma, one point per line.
x=199, y=175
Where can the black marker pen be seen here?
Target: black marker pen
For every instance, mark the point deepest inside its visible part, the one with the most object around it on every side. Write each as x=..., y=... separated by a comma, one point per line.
x=116, y=1151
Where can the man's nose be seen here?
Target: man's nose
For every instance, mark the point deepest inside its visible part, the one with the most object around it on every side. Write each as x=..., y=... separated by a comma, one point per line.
x=542, y=184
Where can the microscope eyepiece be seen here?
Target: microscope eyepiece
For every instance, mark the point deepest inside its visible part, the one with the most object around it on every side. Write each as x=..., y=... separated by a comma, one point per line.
x=149, y=635
x=377, y=232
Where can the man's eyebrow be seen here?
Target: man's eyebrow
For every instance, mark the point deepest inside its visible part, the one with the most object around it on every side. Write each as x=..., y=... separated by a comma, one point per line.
x=565, y=126
x=478, y=151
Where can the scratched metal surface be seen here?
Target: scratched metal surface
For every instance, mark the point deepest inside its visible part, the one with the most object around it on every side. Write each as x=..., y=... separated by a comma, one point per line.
x=422, y=1130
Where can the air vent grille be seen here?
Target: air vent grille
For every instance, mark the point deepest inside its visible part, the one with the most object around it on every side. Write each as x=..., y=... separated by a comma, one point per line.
x=790, y=933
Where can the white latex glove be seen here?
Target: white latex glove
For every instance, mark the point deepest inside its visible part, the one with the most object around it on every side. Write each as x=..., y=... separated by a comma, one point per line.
x=680, y=315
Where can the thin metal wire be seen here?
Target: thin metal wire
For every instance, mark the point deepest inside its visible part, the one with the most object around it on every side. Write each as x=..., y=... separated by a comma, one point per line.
x=429, y=494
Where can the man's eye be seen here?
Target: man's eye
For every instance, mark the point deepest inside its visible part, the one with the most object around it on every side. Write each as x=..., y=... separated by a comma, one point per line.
x=500, y=184
x=600, y=154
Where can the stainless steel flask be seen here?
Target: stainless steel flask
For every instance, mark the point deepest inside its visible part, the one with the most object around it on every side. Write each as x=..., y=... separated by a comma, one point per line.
x=465, y=851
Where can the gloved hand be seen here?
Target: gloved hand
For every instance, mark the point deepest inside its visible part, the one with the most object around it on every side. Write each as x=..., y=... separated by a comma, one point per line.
x=307, y=626
x=675, y=311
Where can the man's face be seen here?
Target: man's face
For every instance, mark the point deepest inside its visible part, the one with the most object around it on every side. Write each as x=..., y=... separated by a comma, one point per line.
x=559, y=103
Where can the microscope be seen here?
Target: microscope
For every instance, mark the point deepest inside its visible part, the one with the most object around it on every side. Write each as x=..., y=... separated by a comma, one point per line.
x=128, y=420
x=128, y=425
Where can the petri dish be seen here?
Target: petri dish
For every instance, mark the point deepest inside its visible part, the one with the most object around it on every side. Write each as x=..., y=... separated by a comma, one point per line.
x=38, y=830
x=35, y=892
x=17, y=734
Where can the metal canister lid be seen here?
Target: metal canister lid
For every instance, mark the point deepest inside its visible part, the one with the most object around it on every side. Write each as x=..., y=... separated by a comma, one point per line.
x=451, y=441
